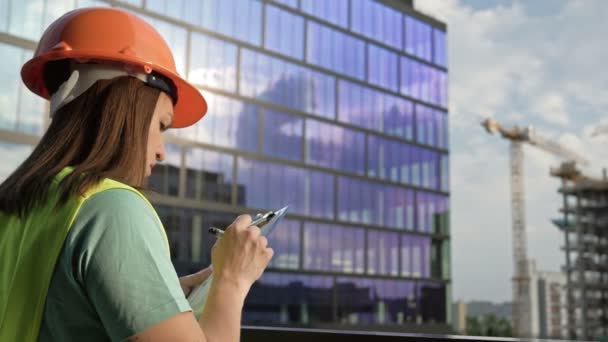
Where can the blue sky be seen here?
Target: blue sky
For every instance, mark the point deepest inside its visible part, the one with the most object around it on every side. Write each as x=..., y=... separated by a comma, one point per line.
x=534, y=63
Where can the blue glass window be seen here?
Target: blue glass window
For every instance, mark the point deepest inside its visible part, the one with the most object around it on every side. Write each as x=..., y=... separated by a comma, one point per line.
x=277, y=81
x=228, y=123
x=333, y=248
x=335, y=50
x=262, y=186
x=290, y=3
x=239, y=19
x=382, y=67
x=290, y=299
x=441, y=86
x=428, y=162
x=284, y=32
x=371, y=109
x=175, y=36
x=283, y=135
x=364, y=301
x=426, y=129
x=367, y=202
x=431, y=212
x=212, y=62
x=20, y=109
x=285, y=242
x=99, y=3
x=415, y=256
x=440, y=48
x=445, y=172
x=442, y=123
x=418, y=38
x=382, y=253
x=377, y=21
x=209, y=175
x=423, y=82
x=390, y=160
x=12, y=156
x=335, y=147
x=22, y=21
x=165, y=175
x=4, y=8
x=334, y=11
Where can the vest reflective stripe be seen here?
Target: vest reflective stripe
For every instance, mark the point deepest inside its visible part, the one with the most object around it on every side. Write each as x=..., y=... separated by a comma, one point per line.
x=29, y=249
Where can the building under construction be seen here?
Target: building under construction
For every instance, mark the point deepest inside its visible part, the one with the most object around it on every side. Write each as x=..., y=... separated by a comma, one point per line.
x=585, y=226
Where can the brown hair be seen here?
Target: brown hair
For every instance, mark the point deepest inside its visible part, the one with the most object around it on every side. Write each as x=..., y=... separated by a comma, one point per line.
x=103, y=133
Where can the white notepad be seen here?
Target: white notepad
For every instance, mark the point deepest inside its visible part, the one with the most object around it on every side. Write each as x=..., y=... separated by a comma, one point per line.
x=198, y=296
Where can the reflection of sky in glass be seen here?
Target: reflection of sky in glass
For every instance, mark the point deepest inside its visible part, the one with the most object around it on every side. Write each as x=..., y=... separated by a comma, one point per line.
x=240, y=19
x=212, y=62
x=371, y=109
x=310, y=192
x=12, y=156
x=283, y=136
x=277, y=81
x=285, y=242
x=228, y=123
x=333, y=248
x=284, y=32
x=366, y=202
x=20, y=109
x=415, y=256
x=335, y=50
x=377, y=21
x=423, y=82
x=335, y=147
x=382, y=67
x=418, y=38
x=334, y=11
x=206, y=160
x=173, y=155
x=175, y=36
x=290, y=3
x=382, y=253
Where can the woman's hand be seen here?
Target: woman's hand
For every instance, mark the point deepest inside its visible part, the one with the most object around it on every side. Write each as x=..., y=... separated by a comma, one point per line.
x=190, y=281
x=241, y=255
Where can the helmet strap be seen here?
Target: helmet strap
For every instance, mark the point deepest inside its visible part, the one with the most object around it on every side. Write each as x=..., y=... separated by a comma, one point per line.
x=83, y=77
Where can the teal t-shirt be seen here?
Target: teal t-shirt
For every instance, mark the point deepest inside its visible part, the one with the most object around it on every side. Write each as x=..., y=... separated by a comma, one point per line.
x=114, y=277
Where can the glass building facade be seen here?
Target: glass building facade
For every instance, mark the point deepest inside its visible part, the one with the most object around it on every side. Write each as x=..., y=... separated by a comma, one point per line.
x=335, y=108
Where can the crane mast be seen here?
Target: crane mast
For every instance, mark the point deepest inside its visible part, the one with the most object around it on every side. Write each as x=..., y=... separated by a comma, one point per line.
x=522, y=320
x=521, y=276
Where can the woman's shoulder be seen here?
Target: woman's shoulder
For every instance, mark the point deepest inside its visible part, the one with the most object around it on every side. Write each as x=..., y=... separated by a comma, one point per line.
x=116, y=202
x=118, y=213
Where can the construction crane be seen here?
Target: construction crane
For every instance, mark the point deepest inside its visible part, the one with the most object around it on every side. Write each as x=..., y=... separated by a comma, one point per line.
x=522, y=319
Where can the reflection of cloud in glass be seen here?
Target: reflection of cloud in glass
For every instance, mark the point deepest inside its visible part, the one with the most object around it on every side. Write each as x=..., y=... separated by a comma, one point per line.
x=173, y=155
x=210, y=161
x=287, y=84
x=212, y=62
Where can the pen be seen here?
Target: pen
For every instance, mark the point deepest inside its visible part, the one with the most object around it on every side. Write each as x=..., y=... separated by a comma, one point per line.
x=260, y=222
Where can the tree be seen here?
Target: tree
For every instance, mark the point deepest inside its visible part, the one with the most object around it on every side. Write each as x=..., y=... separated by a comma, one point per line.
x=488, y=325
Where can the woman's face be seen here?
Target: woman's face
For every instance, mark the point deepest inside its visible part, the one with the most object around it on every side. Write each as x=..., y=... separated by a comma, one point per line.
x=162, y=119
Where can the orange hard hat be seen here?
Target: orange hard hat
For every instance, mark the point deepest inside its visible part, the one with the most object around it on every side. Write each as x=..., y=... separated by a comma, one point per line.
x=114, y=36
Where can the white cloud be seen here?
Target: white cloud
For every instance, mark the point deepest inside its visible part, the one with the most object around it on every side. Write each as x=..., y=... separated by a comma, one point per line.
x=552, y=108
x=525, y=70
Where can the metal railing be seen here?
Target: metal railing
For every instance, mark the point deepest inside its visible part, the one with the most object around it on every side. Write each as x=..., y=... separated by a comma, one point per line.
x=276, y=334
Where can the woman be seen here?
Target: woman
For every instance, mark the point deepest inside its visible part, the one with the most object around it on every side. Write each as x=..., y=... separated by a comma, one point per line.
x=83, y=255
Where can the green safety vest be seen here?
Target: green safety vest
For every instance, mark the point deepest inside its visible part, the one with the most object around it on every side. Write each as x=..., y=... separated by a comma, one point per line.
x=29, y=249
